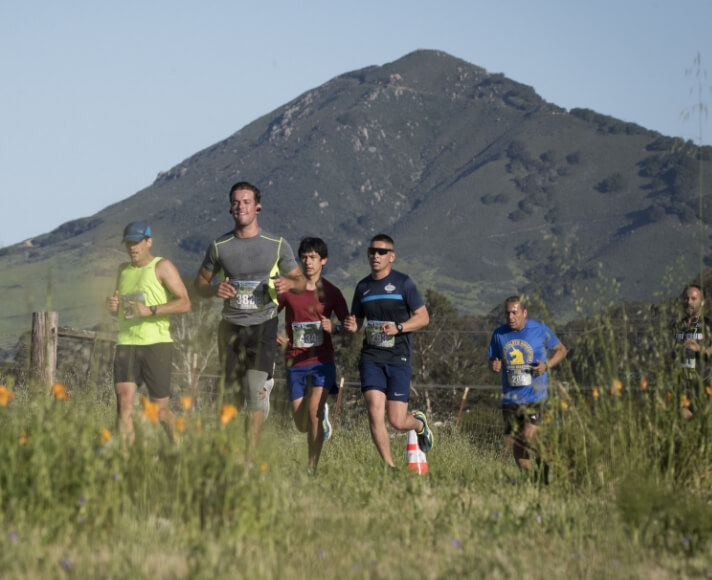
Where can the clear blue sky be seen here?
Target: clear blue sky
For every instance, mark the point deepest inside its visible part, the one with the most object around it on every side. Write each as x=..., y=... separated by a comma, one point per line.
x=97, y=97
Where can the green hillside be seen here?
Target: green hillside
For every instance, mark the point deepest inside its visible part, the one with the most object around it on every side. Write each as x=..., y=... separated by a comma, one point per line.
x=487, y=189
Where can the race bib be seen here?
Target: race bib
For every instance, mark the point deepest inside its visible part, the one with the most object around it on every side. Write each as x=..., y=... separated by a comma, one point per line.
x=249, y=295
x=126, y=308
x=520, y=377
x=307, y=334
x=375, y=335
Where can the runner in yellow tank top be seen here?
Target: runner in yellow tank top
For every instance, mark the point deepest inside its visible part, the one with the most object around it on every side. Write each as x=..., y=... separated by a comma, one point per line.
x=148, y=291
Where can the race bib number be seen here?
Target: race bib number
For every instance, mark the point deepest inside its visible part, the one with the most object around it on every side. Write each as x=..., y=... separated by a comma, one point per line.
x=519, y=377
x=375, y=335
x=688, y=360
x=128, y=310
x=249, y=295
x=307, y=334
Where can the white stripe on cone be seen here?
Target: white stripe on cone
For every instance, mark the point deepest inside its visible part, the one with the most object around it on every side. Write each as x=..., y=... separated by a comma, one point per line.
x=414, y=455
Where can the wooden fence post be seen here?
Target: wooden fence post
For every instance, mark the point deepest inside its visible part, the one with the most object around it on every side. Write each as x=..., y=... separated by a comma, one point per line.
x=43, y=353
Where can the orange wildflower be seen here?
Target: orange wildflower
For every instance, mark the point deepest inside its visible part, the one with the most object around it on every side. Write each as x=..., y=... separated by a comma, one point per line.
x=59, y=391
x=6, y=395
x=227, y=412
x=23, y=437
x=150, y=410
x=105, y=435
x=708, y=390
x=685, y=402
x=186, y=402
x=669, y=396
x=616, y=387
x=595, y=393
x=564, y=405
x=180, y=424
x=643, y=385
x=263, y=466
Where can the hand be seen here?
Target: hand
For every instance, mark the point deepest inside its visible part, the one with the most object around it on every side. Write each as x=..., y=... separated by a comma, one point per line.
x=112, y=302
x=326, y=325
x=692, y=344
x=225, y=290
x=350, y=324
x=282, y=284
x=282, y=340
x=389, y=328
x=495, y=365
x=139, y=309
x=539, y=368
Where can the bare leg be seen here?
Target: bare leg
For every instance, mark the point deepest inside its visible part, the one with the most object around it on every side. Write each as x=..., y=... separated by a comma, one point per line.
x=125, y=393
x=301, y=417
x=315, y=436
x=376, y=405
x=400, y=419
x=166, y=416
x=522, y=446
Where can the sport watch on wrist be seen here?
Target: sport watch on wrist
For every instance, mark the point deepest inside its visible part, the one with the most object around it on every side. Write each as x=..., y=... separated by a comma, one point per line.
x=153, y=309
x=399, y=327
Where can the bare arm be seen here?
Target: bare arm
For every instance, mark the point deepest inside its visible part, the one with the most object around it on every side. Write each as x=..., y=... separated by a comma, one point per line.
x=419, y=319
x=293, y=282
x=169, y=276
x=205, y=288
x=541, y=367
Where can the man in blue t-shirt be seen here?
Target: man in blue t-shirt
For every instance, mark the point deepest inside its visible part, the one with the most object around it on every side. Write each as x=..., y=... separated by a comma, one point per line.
x=518, y=351
x=387, y=305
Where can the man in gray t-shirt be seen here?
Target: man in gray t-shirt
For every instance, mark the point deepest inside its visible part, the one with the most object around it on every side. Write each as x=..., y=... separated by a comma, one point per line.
x=254, y=267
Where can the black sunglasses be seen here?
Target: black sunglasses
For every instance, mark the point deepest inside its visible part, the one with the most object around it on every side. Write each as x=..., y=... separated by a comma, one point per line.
x=379, y=251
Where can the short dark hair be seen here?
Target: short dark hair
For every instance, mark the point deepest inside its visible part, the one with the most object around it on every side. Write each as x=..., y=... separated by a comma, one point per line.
x=383, y=238
x=513, y=299
x=693, y=285
x=248, y=186
x=313, y=245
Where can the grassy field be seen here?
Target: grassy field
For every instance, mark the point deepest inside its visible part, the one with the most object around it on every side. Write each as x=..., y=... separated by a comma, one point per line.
x=629, y=496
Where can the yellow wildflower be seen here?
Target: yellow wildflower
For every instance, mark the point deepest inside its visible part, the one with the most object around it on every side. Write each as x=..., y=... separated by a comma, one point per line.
x=186, y=402
x=59, y=391
x=180, y=424
x=263, y=466
x=105, y=435
x=6, y=395
x=685, y=402
x=564, y=405
x=150, y=410
x=227, y=412
x=595, y=393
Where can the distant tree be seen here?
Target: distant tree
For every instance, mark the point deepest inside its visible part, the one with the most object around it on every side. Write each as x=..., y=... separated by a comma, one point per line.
x=446, y=351
x=574, y=158
x=612, y=184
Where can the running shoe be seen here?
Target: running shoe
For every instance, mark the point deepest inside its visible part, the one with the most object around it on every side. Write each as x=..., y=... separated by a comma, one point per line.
x=325, y=423
x=269, y=384
x=425, y=436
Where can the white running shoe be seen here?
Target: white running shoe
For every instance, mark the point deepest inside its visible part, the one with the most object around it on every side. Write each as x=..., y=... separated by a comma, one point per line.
x=269, y=384
x=325, y=423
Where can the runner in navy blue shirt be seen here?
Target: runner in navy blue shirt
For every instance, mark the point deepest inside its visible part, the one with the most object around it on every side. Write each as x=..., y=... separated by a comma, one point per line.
x=387, y=305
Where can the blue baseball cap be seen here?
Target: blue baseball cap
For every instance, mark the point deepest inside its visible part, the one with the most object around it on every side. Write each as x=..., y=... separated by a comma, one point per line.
x=136, y=231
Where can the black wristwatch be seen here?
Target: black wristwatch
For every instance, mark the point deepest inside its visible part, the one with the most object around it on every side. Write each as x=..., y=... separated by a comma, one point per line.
x=399, y=327
x=153, y=309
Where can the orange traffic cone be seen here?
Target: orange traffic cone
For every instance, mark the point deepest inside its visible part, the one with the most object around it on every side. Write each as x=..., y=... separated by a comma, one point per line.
x=414, y=455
